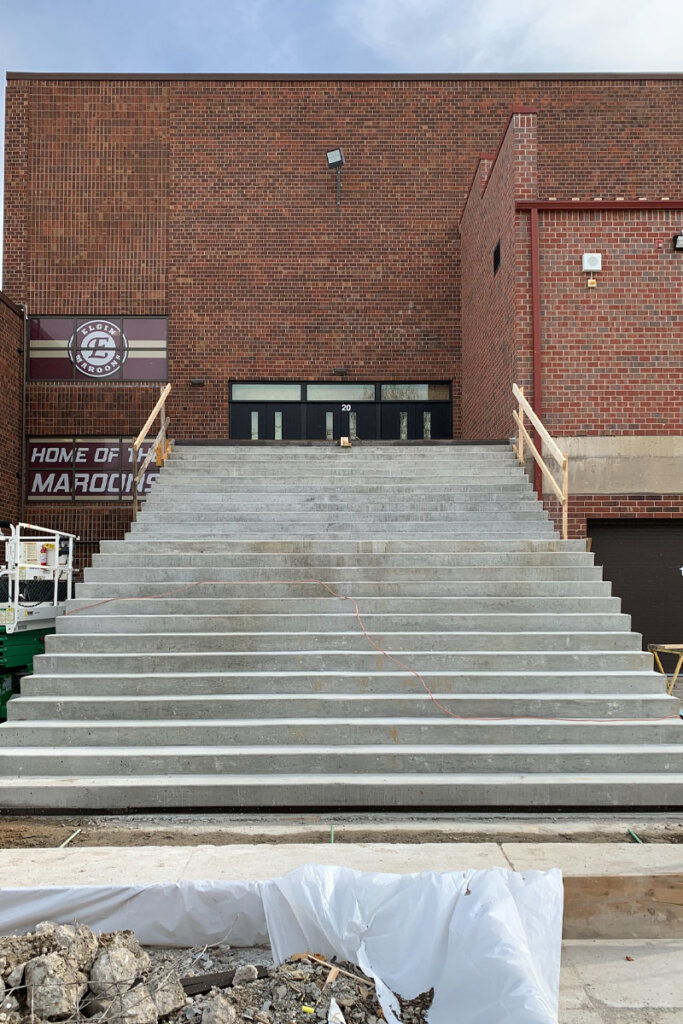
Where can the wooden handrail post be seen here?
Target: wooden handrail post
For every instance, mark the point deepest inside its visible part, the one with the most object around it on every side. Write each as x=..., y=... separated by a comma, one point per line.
x=542, y=437
x=160, y=445
x=520, y=442
x=135, y=482
x=565, y=499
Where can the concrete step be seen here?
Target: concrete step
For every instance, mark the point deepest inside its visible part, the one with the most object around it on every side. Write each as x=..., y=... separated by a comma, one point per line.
x=322, y=601
x=363, y=576
x=332, y=679
x=216, y=478
x=421, y=791
x=381, y=546
x=144, y=655
x=307, y=644
x=325, y=518
x=291, y=517
x=331, y=450
x=515, y=561
x=254, y=488
x=435, y=590
x=357, y=759
x=99, y=621
x=253, y=491
x=223, y=531
x=627, y=707
x=334, y=732
x=175, y=504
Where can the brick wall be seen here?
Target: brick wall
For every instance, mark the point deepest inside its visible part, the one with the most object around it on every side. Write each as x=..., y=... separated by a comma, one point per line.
x=11, y=348
x=491, y=344
x=613, y=506
x=211, y=201
x=612, y=355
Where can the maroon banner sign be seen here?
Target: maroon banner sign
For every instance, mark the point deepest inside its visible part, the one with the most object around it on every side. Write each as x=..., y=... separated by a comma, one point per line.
x=86, y=469
x=97, y=348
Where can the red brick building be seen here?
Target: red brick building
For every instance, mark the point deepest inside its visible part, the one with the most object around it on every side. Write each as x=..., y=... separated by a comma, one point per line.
x=187, y=228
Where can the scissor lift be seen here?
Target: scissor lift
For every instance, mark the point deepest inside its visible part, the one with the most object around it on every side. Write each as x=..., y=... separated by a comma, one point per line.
x=36, y=579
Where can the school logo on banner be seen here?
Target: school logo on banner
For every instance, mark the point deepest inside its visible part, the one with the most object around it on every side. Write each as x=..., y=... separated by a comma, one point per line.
x=98, y=348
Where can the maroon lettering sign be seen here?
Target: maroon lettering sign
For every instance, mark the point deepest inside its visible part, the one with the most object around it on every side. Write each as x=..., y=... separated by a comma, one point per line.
x=87, y=469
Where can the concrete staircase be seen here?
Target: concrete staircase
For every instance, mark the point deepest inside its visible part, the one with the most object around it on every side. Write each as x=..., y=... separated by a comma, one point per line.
x=257, y=688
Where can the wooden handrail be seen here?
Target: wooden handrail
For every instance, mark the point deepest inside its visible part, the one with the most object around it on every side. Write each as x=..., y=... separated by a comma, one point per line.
x=160, y=445
x=562, y=460
x=151, y=418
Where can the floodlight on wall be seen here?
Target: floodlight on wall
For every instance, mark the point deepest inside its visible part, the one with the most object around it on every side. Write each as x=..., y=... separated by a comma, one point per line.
x=678, y=243
x=335, y=162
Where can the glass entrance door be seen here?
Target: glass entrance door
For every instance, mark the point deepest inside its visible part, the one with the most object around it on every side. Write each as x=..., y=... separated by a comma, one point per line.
x=415, y=421
x=265, y=421
x=328, y=411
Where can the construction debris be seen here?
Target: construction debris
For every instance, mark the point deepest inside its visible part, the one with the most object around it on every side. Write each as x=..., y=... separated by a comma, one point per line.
x=66, y=973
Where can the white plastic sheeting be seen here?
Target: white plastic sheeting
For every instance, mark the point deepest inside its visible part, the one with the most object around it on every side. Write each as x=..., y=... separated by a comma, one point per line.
x=488, y=942
x=167, y=914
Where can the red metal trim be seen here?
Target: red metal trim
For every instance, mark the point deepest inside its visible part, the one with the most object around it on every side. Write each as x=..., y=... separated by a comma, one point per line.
x=599, y=204
x=536, y=335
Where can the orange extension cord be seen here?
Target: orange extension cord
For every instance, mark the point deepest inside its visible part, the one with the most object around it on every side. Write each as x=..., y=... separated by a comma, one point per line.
x=391, y=657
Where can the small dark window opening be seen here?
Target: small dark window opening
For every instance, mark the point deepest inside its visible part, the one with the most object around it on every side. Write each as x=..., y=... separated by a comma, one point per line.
x=496, y=258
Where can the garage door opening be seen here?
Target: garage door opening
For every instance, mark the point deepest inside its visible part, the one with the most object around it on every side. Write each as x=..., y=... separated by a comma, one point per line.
x=643, y=560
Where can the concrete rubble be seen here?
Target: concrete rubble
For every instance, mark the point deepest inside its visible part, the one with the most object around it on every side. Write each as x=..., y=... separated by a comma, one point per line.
x=66, y=973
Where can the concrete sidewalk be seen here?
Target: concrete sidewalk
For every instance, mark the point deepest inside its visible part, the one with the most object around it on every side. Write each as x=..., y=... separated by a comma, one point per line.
x=599, y=984
x=84, y=865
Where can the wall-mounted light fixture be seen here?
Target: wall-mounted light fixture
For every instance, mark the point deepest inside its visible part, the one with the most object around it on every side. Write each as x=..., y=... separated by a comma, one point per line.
x=335, y=162
x=591, y=262
x=678, y=243
x=197, y=382
x=340, y=371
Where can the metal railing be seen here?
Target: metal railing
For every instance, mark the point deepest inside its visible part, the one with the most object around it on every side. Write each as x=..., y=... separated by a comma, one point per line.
x=161, y=446
x=38, y=561
x=551, y=448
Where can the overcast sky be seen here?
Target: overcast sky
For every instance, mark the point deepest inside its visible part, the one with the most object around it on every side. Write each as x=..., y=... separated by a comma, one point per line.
x=340, y=35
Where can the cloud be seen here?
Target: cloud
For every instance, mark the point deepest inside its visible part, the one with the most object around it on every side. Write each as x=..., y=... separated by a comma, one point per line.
x=517, y=35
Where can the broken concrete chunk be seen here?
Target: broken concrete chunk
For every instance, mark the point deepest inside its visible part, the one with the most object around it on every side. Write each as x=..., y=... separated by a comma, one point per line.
x=16, y=976
x=138, y=1007
x=135, y=1006
x=17, y=950
x=114, y=971
x=245, y=975
x=167, y=992
x=128, y=941
x=77, y=941
x=218, y=1010
x=53, y=987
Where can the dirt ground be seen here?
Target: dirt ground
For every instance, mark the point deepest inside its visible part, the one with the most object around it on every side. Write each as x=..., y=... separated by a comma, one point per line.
x=228, y=829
